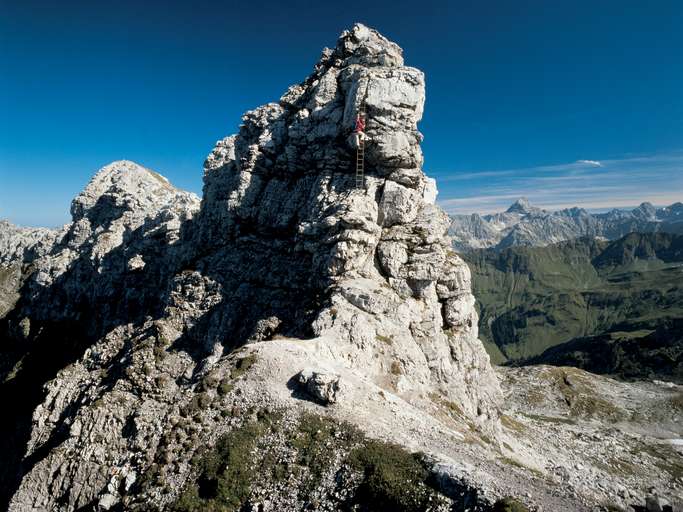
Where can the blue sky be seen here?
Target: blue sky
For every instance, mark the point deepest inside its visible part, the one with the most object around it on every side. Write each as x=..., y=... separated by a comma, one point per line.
x=517, y=92
x=596, y=185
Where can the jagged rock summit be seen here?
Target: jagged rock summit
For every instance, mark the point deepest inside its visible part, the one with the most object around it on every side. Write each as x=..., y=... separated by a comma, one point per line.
x=257, y=350
x=125, y=185
x=147, y=296
x=523, y=206
x=282, y=194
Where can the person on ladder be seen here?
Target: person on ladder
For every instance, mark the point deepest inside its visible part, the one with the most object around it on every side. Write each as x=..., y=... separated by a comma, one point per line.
x=359, y=136
x=360, y=128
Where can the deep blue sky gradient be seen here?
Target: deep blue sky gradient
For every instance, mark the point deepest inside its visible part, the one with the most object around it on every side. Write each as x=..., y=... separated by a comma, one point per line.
x=511, y=86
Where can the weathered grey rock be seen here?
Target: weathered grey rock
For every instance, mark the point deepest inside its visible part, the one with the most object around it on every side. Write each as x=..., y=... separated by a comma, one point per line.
x=152, y=293
x=456, y=481
x=399, y=204
x=652, y=504
x=137, y=262
x=320, y=384
x=459, y=311
x=23, y=245
x=107, y=501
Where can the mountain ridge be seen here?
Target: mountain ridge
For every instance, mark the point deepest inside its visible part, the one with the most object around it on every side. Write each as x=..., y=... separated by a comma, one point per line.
x=148, y=295
x=524, y=224
x=293, y=341
x=532, y=299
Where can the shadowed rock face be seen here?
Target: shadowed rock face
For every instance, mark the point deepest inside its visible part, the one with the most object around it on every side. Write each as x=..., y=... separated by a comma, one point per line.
x=146, y=291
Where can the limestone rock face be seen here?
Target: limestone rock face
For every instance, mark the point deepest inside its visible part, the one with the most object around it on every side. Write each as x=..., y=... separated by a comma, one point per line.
x=157, y=292
x=377, y=260
x=19, y=244
x=124, y=213
x=320, y=384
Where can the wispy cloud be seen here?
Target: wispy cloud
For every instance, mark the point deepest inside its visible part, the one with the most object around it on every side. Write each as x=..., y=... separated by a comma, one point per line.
x=591, y=184
x=594, y=163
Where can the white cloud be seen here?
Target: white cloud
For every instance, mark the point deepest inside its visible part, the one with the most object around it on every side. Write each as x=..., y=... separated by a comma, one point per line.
x=594, y=163
x=619, y=183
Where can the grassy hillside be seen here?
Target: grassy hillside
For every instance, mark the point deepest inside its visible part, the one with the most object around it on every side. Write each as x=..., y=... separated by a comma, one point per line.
x=533, y=298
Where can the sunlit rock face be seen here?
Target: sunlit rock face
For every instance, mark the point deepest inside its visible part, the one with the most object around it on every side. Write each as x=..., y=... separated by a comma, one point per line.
x=158, y=290
x=367, y=264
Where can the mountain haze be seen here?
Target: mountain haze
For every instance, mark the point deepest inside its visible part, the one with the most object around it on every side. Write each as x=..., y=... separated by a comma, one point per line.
x=526, y=225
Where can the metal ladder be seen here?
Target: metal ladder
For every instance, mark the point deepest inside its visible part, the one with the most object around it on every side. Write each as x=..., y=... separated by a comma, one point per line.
x=360, y=159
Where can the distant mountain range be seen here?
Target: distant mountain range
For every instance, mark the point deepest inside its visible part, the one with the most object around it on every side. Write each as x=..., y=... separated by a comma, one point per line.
x=606, y=306
x=525, y=225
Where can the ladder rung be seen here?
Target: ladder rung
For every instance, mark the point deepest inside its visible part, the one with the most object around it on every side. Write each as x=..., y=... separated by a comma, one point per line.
x=360, y=160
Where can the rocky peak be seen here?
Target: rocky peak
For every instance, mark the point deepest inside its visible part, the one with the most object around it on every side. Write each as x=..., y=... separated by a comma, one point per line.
x=574, y=212
x=523, y=224
x=365, y=46
x=360, y=281
x=367, y=263
x=672, y=212
x=125, y=186
x=522, y=206
x=646, y=211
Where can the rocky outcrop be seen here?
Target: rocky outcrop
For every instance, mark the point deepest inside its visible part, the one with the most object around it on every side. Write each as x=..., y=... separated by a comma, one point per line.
x=145, y=297
x=71, y=292
x=18, y=247
x=322, y=385
x=369, y=265
x=19, y=244
x=525, y=225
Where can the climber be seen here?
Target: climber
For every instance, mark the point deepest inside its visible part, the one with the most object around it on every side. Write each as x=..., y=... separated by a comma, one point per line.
x=359, y=132
x=360, y=122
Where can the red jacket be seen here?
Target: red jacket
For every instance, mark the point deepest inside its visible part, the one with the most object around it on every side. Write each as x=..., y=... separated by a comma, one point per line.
x=360, y=124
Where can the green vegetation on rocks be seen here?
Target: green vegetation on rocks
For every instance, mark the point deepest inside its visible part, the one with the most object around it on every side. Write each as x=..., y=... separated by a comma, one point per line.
x=509, y=505
x=393, y=479
x=242, y=365
x=226, y=472
x=269, y=450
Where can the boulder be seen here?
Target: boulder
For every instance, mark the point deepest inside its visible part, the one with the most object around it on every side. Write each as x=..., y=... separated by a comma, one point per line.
x=320, y=384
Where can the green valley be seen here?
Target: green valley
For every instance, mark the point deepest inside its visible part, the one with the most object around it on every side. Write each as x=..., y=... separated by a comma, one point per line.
x=537, y=299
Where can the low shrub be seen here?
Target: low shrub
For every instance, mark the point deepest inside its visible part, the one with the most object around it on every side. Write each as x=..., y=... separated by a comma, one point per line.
x=243, y=365
x=509, y=505
x=393, y=479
